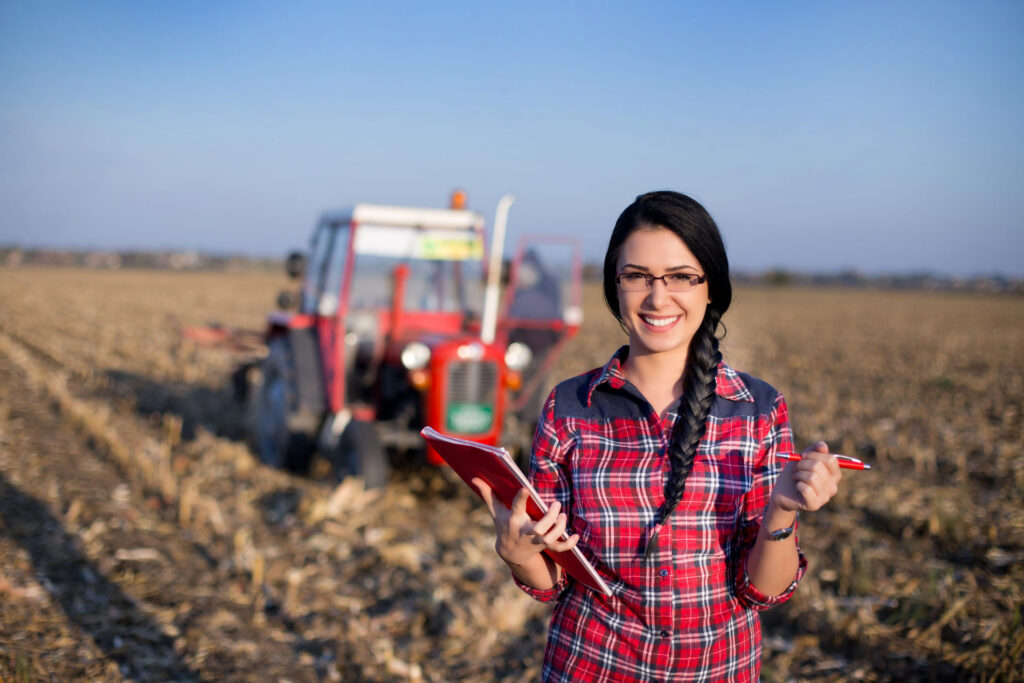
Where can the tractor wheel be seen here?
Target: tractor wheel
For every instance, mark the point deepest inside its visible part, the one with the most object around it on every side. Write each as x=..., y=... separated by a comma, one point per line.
x=278, y=442
x=523, y=424
x=360, y=453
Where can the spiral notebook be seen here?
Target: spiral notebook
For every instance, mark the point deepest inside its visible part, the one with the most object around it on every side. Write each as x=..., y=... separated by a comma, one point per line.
x=498, y=470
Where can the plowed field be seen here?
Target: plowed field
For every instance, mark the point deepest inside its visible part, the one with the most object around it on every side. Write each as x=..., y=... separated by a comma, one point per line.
x=140, y=539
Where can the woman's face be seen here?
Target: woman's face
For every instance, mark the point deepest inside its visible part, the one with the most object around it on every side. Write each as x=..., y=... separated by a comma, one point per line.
x=657, y=320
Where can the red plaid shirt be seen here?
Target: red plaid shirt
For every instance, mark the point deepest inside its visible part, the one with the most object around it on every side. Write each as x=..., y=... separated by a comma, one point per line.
x=689, y=612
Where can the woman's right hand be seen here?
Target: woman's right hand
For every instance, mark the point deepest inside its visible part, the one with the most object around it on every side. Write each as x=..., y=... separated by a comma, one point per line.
x=519, y=538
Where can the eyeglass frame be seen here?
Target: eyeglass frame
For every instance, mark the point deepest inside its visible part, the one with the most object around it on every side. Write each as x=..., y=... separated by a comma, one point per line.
x=693, y=280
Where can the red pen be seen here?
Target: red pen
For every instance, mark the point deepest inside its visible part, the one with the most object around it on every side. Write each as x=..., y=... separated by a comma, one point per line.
x=845, y=461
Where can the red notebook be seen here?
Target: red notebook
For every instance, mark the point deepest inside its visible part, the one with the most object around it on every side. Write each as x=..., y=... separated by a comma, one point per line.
x=498, y=470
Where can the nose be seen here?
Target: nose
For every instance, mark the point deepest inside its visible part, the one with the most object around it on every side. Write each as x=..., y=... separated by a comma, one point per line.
x=657, y=294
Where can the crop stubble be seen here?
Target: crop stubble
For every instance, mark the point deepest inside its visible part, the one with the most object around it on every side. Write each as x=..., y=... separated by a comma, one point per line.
x=916, y=567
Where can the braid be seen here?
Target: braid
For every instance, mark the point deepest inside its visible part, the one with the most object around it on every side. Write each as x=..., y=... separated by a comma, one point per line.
x=684, y=217
x=698, y=396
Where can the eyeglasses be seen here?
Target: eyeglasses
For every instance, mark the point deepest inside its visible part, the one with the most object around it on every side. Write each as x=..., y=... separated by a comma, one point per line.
x=674, y=282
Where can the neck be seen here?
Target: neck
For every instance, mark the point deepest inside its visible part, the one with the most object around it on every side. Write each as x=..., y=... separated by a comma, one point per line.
x=658, y=376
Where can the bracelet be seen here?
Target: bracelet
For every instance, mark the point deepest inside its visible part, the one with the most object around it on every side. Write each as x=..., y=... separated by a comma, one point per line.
x=781, y=533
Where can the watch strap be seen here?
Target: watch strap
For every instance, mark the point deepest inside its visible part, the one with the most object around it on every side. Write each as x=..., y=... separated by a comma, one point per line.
x=781, y=533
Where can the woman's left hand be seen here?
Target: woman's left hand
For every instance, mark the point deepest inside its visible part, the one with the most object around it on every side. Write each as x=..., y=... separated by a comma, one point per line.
x=808, y=483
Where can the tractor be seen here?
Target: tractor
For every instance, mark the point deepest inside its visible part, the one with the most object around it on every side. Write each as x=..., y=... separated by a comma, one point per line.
x=401, y=324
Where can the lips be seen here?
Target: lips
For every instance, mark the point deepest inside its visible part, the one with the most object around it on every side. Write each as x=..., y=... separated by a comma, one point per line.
x=660, y=322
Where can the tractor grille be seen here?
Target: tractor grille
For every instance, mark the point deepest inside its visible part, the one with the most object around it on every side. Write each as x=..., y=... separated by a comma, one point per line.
x=472, y=382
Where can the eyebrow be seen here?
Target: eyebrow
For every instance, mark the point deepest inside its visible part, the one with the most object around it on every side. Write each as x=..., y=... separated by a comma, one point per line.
x=645, y=269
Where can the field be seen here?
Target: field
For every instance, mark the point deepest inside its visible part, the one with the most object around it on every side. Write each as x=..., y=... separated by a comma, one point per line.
x=140, y=539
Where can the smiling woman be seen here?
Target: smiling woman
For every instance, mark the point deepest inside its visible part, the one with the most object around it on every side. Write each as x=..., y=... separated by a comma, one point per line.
x=664, y=468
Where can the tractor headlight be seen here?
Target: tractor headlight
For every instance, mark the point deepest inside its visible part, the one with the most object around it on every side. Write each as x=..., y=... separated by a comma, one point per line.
x=518, y=356
x=415, y=356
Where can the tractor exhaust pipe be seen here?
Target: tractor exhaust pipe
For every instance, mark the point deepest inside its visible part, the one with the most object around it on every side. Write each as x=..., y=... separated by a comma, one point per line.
x=490, y=315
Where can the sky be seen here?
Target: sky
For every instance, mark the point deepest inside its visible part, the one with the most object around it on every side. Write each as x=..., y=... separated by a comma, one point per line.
x=875, y=136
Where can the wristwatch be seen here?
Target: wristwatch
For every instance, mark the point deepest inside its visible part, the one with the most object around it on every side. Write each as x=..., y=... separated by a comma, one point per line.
x=781, y=533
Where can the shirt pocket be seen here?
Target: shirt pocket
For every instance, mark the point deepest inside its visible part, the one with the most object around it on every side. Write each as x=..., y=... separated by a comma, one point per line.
x=722, y=479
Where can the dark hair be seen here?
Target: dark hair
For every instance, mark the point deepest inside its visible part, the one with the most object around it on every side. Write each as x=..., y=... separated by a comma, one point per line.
x=691, y=222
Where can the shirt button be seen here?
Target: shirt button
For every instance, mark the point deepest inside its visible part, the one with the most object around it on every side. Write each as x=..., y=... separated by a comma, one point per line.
x=663, y=572
x=665, y=634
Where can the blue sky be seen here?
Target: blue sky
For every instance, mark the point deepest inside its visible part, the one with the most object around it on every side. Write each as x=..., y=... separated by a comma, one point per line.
x=876, y=136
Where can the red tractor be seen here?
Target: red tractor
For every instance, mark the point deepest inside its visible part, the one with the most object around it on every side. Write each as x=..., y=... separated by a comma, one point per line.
x=399, y=326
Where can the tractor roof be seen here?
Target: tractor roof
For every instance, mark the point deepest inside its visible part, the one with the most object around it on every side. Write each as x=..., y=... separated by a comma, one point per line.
x=407, y=216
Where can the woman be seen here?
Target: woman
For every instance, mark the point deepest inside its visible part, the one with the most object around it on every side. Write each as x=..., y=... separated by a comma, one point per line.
x=663, y=465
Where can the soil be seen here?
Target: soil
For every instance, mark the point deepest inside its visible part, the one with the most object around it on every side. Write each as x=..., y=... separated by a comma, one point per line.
x=101, y=583
x=141, y=540
x=102, y=579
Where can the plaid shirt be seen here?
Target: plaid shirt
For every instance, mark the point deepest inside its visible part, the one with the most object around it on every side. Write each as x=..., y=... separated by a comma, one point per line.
x=689, y=612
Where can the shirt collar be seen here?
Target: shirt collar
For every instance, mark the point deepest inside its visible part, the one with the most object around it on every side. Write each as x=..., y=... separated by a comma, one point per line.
x=728, y=384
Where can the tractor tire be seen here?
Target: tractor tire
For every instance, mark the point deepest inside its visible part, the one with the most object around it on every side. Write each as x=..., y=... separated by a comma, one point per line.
x=284, y=438
x=522, y=424
x=529, y=415
x=360, y=453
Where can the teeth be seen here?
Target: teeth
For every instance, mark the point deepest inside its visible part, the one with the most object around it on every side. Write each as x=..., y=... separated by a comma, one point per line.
x=659, y=322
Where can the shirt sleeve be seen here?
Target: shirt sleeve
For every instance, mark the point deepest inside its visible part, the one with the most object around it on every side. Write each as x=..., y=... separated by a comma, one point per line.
x=548, y=474
x=778, y=439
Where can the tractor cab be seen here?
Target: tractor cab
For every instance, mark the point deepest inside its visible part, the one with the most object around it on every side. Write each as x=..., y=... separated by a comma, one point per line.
x=381, y=277
x=391, y=335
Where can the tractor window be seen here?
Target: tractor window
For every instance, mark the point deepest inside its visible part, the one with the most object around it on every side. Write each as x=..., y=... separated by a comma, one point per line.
x=328, y=252
x=319, y=250
x=371, y=285
x=334, y=276
x=444, y=286
x=432, y=285
x=444, y=268
x=545, y=282
x=538, y=288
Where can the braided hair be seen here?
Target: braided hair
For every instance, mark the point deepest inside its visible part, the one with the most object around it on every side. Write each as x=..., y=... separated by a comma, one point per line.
x=689, y=221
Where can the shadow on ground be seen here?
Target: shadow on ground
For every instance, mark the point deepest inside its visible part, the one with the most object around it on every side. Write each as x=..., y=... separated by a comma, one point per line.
x=92, y=602
x=218, y=410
